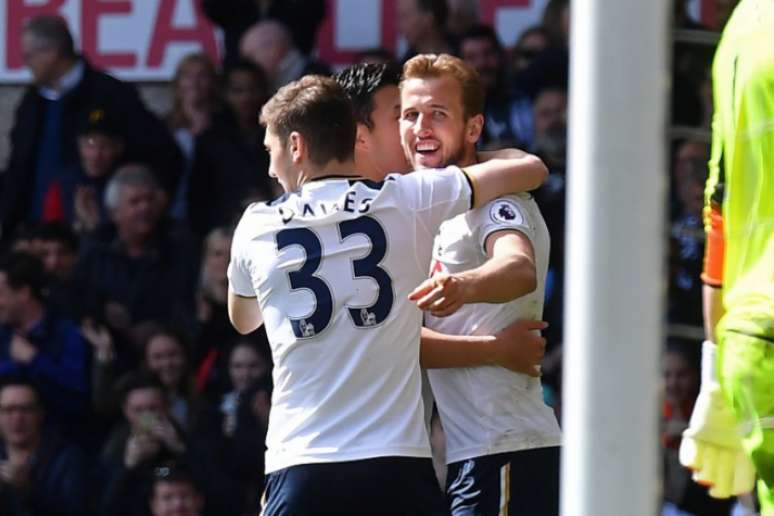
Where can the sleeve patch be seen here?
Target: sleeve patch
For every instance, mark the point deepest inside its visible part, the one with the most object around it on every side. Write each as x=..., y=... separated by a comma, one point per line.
x=504, y=211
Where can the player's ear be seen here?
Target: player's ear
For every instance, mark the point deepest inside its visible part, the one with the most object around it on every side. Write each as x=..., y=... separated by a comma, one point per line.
x=297, y=145
x=475, y=127
x=361, y=137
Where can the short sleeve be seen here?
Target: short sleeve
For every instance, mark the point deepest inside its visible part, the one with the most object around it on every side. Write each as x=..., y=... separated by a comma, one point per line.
x=239, y=278
x=437, y=195
x=504, y=213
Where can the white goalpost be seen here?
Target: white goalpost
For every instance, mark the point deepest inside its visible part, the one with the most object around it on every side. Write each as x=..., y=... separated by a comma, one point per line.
x=615, y=255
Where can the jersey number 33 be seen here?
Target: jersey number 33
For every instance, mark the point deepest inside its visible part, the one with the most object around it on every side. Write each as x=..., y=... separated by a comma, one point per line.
x=365, y=267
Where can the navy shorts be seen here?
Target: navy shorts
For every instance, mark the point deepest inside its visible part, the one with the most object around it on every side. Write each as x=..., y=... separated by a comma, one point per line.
x=388, y=486
x=524, y=483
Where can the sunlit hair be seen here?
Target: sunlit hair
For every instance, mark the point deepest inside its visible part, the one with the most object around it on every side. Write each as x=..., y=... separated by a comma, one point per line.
x=177, y=118
x=318, y=108
x=427, y=66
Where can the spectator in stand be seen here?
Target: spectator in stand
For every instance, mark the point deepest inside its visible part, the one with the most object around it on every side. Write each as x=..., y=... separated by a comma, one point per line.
x=44, y=170
x=549, y=67
x=145, y=438
x=56, y=245
x=235, y=17
x=41, y=474
x=687, y=233
x=230, y=160
x=175, y=492
x=423, y=24
x=530, y=44
x=195, y=102
x=508, y=117
x=101, y=149
x=212, y=314
x=166, y=356
x=246, y=364
x=137, y=269
x=550, y=143
x=39, y=345
x=682, y=496
x=463, y=16
x=269, y=44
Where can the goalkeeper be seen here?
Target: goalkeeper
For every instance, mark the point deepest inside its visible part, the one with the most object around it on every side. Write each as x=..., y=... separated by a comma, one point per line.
x=732, y=426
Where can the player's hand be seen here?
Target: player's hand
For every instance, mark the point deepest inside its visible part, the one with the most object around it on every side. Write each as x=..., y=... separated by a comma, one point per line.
x=99, y=337
x=441, y=295
x=711, y=445
x=520, y=348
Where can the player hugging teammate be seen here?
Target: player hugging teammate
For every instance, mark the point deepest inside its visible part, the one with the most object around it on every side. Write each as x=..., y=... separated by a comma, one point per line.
x=336, y=284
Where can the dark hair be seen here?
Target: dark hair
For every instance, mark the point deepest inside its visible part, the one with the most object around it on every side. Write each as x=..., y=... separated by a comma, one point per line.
x=438, y=8
x=137, y=380
x=167, y=330
x=99, y=121
x=52, y=30
x=24, y=270
x=319, y=109
x=19, y=381
x=482, y=32
x=56, y=232
x=362, y=81
x=173, y=473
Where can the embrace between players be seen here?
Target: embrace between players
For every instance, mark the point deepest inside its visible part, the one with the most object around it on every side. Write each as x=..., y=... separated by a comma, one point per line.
x=336, y=269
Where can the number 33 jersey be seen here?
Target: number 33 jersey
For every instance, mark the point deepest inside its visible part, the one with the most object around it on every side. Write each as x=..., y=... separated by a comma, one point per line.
x=331, y=266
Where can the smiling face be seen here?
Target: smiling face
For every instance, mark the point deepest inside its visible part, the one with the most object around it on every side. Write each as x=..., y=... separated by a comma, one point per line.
x=433, y=127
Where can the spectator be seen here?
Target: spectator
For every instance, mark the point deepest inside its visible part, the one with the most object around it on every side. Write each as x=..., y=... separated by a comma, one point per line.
x=195, y=101
x=144, y=439
x=556, y=20
x=423, y=24
x=508, y=118
x=101, y=149
x=166, y=356
x=136, y=270
x=463, y=15
x=246, y=364
x=269, y=44
x=57, y=247
x=230, y=161
x=39, y=345
x=43, y=170
x=680, y=370
x=235, y=17
x=174, y=492
x=687, y=233
x=211, y=297
x=40, y=473
x=530, y=44
x=550, y=143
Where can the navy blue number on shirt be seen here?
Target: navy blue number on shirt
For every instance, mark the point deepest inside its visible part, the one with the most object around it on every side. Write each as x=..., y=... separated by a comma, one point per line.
x=368, y=266
x=304, y=278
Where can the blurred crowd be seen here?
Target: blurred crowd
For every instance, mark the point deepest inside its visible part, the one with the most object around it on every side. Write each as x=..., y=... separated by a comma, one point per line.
x=124, y=389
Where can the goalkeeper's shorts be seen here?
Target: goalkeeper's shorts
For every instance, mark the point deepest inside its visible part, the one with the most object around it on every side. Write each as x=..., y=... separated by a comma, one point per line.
x=746, y=367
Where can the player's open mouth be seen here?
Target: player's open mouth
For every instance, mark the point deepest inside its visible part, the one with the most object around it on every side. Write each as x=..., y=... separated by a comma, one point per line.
x=427, y=147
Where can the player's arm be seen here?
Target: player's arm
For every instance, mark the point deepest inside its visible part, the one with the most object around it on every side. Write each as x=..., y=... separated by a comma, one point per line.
x=712, y=274
x=244, y=313
x=518, y=348
x=503, y=176
x=508, y=273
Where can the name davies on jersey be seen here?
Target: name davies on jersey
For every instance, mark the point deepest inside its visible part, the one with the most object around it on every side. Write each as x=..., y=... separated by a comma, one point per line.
x=352, y=204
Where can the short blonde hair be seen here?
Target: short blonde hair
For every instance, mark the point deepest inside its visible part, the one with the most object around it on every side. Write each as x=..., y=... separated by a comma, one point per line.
x=425, y=66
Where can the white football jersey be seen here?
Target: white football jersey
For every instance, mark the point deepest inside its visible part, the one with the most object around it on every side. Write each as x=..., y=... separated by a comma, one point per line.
x=489, y=410
x=331, y=266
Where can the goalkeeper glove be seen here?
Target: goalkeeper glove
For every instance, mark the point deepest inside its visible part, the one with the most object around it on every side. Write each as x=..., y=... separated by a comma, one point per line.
x=711, y=446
